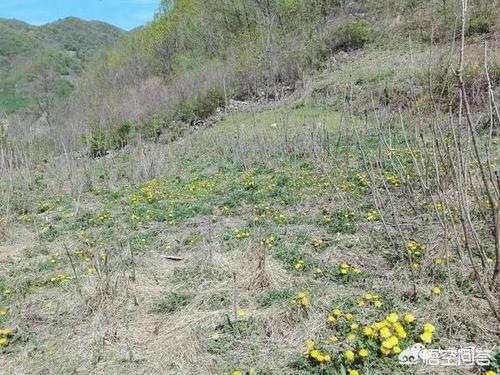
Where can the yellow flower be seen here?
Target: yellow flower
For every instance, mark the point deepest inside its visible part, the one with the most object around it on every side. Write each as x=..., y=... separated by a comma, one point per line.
x=393, y=317
x=330, y=318
x=3, y=341
x=490, y=372
x=5, y=332
x=363, y=353
x=400, y=331
x=351, y=336
x=349, y=316
x=299, y=265
x=337, y=312
x=241, y=312
x=436, y=290
x=349, y=355
x=314, y=353
x=215, y=336
x=368, y=296
x=327, y=358
x=368, y=331
x=426, y=337
x=236, y=372
x=357, y=271
x=3, y=313
x=353, y=372
x=385, y=332
x=378, y=304
x=354, y=326
x=429, y=327
x=384, y=350
x=334, y=339
x=396, y=350
x=409, y=318
x=310, y=344
x=390, y=343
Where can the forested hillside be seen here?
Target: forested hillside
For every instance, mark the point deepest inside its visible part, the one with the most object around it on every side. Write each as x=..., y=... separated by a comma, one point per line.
x=33, y=57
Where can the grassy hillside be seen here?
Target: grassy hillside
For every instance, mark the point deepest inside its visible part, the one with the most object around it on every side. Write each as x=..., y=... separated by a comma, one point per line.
x=323, y=228
x=27, y=51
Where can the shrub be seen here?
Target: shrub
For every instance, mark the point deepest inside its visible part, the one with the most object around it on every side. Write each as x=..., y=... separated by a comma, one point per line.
x=200, y=106
x=481, y=22
x=353, y=35
x=208, y=103
x=102, y=140
x=153, y=127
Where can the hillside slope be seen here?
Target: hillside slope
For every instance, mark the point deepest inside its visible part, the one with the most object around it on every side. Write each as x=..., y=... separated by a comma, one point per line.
x=56, y=51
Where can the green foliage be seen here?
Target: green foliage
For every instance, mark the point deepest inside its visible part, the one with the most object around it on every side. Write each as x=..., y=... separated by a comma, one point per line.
x=274, y=296
x=170, y=302
x=354, y=35
x=10, y=101
x=481, y=22
x=200, y=106
x=33, y=58
x=100, y=141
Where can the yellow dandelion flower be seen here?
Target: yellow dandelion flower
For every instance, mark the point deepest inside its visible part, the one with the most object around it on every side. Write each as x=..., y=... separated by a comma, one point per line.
x=429, y=327
x=377, y=304
x=409, y=318
x=349, y=316
x=241, y=312
x=436, y=290
x=396, y=350
x=385, y=333
x=334, y=339
x=330, y=318
x=393, y=317
x=351, y=337
x=349, y=355
x=3, y=341
x=400, y=331
x=426, y=337
x=390, y=343
x=337, y=312
x=353, y=372
x=363, y=353
x=310, y=344
x=5, y=332
x=314, y=353
x=368, y=331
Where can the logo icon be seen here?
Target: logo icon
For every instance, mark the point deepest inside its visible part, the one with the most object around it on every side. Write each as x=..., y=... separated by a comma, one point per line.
x=411, y=355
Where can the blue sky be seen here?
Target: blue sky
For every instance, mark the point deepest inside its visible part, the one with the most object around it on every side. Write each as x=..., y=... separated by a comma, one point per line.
x=126, y=14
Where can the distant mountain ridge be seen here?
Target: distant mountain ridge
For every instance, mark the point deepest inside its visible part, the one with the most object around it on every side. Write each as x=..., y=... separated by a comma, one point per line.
x=57, y=51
